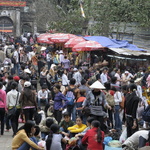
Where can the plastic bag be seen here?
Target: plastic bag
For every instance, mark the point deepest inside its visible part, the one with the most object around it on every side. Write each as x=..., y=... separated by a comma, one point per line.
x=123, y=136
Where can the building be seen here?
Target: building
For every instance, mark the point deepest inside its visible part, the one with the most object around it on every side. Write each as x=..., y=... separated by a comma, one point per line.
x=16, y=17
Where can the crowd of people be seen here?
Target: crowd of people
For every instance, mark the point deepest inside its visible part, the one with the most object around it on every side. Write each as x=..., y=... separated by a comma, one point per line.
x=64, y=105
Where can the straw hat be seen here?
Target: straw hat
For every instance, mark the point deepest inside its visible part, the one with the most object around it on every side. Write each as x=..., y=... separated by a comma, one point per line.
x=97, y=85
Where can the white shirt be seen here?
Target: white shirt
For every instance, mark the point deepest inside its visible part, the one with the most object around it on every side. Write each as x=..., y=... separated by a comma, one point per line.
x=118, y=78
x=42, y=94
x=16, y=56
x=77, y=76
x=117, y=97
x=61, y=58
x=65, y=80
x=103, y=78
x=11, y=98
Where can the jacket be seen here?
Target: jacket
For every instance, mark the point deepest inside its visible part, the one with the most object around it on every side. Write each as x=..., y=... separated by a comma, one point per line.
x=76, y=128
x=20, y=138
x=90, y=139
x=27, y=100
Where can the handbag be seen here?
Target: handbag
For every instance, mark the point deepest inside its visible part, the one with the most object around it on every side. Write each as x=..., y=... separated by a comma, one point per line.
x=146, y=114
x=12, y=111
x=96, y=110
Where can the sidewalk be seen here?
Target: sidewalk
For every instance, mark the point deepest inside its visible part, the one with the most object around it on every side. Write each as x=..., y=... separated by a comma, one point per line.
x=6, y=139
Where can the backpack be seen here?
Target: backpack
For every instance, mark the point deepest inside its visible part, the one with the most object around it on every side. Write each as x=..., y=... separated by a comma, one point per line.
x=110, y=99
x=13, y=60
x=70, y=96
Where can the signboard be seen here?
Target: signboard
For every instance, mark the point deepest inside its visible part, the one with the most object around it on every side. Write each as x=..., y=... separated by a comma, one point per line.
x=13, y=3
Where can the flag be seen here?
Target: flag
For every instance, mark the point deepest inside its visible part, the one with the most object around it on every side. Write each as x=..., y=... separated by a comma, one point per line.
x=82, y=11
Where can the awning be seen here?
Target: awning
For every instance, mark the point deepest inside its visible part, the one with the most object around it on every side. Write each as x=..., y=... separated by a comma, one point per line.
x=123, y=51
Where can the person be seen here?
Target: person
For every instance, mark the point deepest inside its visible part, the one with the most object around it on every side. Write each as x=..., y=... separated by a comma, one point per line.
x=83, y=86
x=95, y=99
x=71, y=108
x=45, y=127
x=66, y=63
x=42, y=95
x=49, y=59
x=54, y=139
x=24, y=139
x=28, y=101
x=65, y=81
x=58, y=103
x=65, y=123
x=137, y=140
x=16, y=58
x=117, y=99
x=77, y=128
x=12, y=98
x=117, y=75
x=77, y=76
x=104, y=76
x=94, y=137
x=131, y=104
x=3, y=107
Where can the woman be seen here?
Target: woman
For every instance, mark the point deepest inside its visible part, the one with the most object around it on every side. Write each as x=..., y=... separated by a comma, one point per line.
x=28, y=101
x=58, y=103
x=2, y=107
x=118, y=100
x=95, y=100
x=54, y=139
x=65, y=81
x=24, y=139
x=33, y=77
x=94, y=137
x=131, y=105
x=77, y=128
x=43, y=75
x=12, y=100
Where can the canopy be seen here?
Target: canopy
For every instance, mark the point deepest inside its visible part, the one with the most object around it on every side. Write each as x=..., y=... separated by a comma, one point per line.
x=87, y=46
x=72, y=42
x=62, y=38
x=113, y=43
x=43, y=38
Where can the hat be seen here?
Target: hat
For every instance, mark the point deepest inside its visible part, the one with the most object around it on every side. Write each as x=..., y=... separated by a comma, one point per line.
x=16, y=78
x=27, y=71
x=2, y=68
x=126, y=72
x=138, y=80
x=75, y=69
x=97, y=85
x=27, y=84
x=43, y=48
x=60, y=52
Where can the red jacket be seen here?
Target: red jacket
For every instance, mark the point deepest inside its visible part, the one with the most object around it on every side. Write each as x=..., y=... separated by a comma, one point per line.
x=90, y=138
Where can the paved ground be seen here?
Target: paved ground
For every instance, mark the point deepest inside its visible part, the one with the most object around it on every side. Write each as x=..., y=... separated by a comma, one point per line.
x=6, y=139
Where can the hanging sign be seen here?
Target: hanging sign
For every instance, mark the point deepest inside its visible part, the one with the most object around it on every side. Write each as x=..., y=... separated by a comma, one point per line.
x=13, y=3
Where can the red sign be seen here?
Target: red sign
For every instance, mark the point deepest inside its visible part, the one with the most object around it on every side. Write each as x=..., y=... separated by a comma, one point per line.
x=13, y=3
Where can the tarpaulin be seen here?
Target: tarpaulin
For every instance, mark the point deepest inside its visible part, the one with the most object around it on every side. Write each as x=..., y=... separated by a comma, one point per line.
x=113, y=43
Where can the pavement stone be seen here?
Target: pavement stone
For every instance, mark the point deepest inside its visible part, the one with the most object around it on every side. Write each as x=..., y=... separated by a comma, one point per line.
x=6, y=139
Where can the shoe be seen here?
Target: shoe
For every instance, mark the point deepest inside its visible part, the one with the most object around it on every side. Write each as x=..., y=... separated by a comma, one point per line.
x=7, y=130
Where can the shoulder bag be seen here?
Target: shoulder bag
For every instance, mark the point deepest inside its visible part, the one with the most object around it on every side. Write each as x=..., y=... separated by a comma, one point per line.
x=12, y=111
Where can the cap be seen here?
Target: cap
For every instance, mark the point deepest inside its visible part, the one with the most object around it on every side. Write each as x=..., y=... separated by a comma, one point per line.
x=27, y=84
x=75, y=69
x=16, y=78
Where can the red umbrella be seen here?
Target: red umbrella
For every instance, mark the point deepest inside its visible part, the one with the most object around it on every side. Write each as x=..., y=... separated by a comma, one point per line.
x=72, y=42
x=43, y=38
x=62, y=38
x=87, y=46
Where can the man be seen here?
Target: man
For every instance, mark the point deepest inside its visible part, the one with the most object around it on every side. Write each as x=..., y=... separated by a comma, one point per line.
x=61, y=56
x=76, y=92
x=83, y=86
x=104, y=76
x=16, y=57
x=42, y=95
x=66, y=63
x=77, y=76
x=126, y=77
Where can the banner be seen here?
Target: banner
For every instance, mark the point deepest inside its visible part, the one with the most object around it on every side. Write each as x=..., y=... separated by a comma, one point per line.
x=13, y=3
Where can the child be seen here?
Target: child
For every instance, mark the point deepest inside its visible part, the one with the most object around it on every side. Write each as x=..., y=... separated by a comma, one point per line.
x=54, y=139
x=64, y=124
